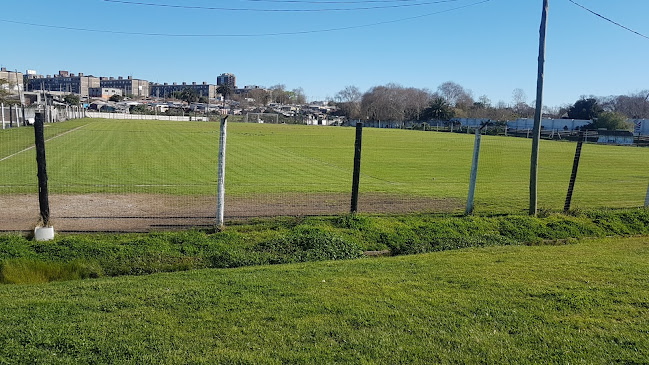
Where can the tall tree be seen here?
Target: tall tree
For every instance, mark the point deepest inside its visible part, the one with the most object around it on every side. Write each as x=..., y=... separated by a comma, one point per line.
x=455, y=95
x=584, y=108
x=439, y=109
x=278, y=94
x=298, y=96
x=261, y=96
x=416, y=100
x=348, y=100
x=225, y=90
x=6, y=97
x=71, y=99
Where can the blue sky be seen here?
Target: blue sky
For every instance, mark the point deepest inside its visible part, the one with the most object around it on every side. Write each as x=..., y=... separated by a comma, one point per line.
x=489, y=47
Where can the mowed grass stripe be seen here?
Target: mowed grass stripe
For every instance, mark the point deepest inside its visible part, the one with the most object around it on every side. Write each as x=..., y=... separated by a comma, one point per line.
x=181, y=158
x=17, y=139
x=123, y=156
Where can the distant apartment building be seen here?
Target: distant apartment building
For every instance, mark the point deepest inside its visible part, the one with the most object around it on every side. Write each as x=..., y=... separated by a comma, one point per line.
x=248, y=88
x=129, y=85
x=227, y=79
x=104, y=92
x=166, y=90
x=64, y=82
x=14, y=81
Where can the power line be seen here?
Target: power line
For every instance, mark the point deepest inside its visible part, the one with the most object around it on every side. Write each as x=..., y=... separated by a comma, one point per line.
x=105, y=31
x=219, y=8
x=609, y=20
x=329, y=2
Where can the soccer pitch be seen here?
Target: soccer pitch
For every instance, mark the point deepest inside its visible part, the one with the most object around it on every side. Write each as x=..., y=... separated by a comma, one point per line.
x=180, y=159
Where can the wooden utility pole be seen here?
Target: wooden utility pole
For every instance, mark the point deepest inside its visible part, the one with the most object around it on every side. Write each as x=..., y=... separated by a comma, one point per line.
x=534, y=168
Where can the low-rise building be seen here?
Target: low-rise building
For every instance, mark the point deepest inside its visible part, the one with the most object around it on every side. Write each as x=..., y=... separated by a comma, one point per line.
x=14, y=82
x=129, y=85
x=165, y=90
x=104, y=92
x=64, y=82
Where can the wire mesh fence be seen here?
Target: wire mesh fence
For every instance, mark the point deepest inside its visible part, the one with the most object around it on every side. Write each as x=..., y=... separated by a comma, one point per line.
x=140, y=175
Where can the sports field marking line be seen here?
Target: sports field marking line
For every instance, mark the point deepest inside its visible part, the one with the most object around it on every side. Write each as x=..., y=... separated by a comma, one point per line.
x=47, y=140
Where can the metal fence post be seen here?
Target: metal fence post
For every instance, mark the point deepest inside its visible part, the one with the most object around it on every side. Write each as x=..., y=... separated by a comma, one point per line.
x=357, y=166
x=220, y=201
x=2, y=110
x=646, y=199
x=474, y=172
x=573, y=176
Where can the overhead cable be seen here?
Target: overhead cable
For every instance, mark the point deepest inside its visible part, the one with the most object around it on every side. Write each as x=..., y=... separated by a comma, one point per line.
x=179, y=35
x=609, y=20
x=273, y=10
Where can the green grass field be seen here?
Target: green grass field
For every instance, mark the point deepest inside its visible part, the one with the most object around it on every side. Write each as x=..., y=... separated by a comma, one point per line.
x=180, y=158
x=583, y=303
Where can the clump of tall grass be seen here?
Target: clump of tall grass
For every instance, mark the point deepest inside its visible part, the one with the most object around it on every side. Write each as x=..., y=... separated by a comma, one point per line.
x=30, y=271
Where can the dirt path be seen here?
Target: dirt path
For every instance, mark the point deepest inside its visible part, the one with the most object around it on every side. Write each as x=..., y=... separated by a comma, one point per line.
x=146, y=212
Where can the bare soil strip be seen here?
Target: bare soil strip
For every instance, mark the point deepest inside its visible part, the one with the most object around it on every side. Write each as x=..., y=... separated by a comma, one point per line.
x=147, y=212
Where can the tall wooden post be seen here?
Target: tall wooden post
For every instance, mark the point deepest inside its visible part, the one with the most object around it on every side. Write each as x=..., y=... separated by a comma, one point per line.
x=474, y=172
x=357, y=166
x=534, y=163
x=43, y=196
x=573, y=176
x=220, y=200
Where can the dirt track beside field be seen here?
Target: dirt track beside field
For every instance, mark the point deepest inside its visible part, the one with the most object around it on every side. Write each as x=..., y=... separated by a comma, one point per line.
x=146, y=212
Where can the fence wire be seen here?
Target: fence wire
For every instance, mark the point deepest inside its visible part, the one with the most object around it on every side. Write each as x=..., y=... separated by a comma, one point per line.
x=141, y=175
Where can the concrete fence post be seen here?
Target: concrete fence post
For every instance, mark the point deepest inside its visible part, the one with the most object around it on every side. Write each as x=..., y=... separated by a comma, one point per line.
x=220, y=200
x=474, y=172
x=17, y=115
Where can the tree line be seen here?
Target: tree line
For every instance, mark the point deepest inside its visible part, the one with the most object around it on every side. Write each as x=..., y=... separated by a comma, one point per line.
x=394, y=102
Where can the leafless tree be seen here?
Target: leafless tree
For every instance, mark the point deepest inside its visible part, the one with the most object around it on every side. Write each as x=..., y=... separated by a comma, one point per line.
x=348, y=101
x=416, y=100
x=455, y=95
x=384, y=103
x=298, y=96
x=261, y=96
x=634, y=106
x=278, y=94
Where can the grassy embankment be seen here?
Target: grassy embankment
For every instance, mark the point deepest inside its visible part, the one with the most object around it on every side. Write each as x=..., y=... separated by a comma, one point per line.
x=180, y=158
x=582, y=303
x=289, y=240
